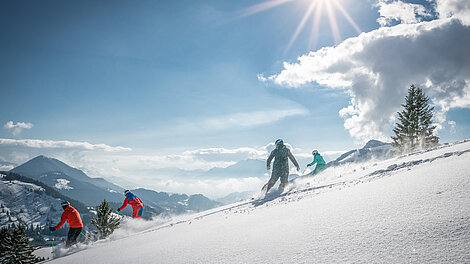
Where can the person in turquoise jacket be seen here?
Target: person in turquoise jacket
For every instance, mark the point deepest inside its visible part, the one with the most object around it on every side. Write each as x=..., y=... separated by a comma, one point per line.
x=318, y=159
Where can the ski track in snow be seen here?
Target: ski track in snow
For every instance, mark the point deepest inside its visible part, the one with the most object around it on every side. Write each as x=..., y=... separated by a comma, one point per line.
x=419, y=232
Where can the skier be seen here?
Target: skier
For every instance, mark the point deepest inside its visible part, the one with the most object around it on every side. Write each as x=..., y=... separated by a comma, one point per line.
x=318, y=159
x=72, y=216
x=281, y=155
x=135, y=202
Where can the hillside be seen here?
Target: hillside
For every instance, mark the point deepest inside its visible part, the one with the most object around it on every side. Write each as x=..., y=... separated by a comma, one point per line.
x=76, y=184
x=413, y=208
x=26, y=203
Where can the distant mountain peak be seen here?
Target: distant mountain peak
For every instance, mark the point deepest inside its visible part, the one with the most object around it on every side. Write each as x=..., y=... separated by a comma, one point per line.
x=374, y=149
x=375, y=143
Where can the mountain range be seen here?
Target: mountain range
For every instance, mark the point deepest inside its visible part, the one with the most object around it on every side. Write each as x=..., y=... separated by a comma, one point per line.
x=76, y=184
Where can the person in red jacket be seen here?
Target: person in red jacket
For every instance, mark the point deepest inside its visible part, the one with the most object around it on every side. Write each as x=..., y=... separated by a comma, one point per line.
x=72, y=216
x=135, y=202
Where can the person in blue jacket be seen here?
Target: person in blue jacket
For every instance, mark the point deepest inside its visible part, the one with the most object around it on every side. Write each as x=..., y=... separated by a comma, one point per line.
x=318, y=159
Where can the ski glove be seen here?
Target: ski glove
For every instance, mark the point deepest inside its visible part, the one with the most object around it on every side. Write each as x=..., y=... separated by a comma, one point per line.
x=308, y=165
x=51, y=228
x=118, y=210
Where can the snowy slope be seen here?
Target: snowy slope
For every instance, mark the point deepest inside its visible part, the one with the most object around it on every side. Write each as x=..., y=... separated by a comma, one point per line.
x=413, y=208
x=26, y=203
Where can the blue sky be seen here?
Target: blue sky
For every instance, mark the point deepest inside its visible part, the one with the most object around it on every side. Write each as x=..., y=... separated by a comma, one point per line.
x=163, y=78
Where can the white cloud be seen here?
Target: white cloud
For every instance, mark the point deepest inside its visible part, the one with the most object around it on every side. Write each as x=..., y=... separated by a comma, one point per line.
x=62, y=144
x=240, y=120
x=223, y=154
x=398, y=11
x=6, y=167
x=376, y=69
x=452, y=124
x=454, y=8
x=16, y=129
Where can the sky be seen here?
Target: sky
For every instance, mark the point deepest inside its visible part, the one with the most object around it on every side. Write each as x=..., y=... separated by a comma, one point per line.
x=123, y=90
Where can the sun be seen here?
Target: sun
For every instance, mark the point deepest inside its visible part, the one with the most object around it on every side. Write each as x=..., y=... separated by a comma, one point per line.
x=314, y=11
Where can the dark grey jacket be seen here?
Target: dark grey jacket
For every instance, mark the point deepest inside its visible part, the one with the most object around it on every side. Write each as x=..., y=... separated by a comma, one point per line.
x=281, y=155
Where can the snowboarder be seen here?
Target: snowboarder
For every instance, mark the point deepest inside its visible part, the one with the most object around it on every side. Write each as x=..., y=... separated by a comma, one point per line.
x=135, y=202
x=318, y=159
x=72, y=216
x=281, y=155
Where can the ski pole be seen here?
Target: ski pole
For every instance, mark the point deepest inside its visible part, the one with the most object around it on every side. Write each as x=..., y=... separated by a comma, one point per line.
x=85, y=236
x=304, y=170
x=52, y=244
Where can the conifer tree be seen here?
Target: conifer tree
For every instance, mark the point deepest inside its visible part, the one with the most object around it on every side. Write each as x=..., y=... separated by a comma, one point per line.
x=15, y=247
x=105, y=221
x=414, y=131
x=6, y=246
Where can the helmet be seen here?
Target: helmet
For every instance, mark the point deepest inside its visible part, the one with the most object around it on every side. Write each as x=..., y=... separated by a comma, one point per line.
x=279, y=142
x=126, y=192
x=314, y=152
x=64, y=204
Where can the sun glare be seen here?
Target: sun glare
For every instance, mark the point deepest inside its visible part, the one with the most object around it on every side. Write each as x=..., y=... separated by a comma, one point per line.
x=314, y=11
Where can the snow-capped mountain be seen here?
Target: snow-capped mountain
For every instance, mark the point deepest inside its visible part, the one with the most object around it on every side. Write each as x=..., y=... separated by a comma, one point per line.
x=76, y=184
x=373, y=150
x=412, y=208
x=70, y=181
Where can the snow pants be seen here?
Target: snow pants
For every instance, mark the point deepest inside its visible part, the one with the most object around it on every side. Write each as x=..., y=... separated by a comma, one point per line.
x=283, y=174
x=137, y=211
x=72, y=236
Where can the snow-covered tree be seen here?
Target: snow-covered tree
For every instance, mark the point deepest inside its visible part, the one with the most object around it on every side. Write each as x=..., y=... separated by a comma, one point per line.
x=105, y=221
x=15, y=247
x=6, y=245
x=415, y=130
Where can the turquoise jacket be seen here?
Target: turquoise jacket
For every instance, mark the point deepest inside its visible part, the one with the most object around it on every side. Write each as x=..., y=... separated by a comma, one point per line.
x=318, y=159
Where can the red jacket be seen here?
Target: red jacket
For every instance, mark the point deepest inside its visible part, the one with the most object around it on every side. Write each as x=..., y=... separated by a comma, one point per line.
x=72, y=216
x=135, y=202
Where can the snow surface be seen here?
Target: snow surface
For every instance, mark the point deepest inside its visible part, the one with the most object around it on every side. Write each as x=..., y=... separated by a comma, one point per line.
x=26, y=203
x=63, y=184
x=414, y=208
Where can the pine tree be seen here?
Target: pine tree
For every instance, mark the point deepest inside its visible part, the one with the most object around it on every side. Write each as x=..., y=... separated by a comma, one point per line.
x=105, y=222
x=414, y=131
x=6, y=246
x=15, y=247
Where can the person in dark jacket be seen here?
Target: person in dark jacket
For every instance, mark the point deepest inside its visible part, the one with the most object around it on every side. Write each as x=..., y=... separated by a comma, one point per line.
x=72, y=217
x=281, y=155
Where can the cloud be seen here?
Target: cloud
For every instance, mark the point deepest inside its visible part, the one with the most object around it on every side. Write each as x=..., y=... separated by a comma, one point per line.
x=452, y=124
x=224, y=154
x=16, y=129
x=63, y=144
x=454, y=8
x=241, y=120
x=376, y=69
x=398, y=11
